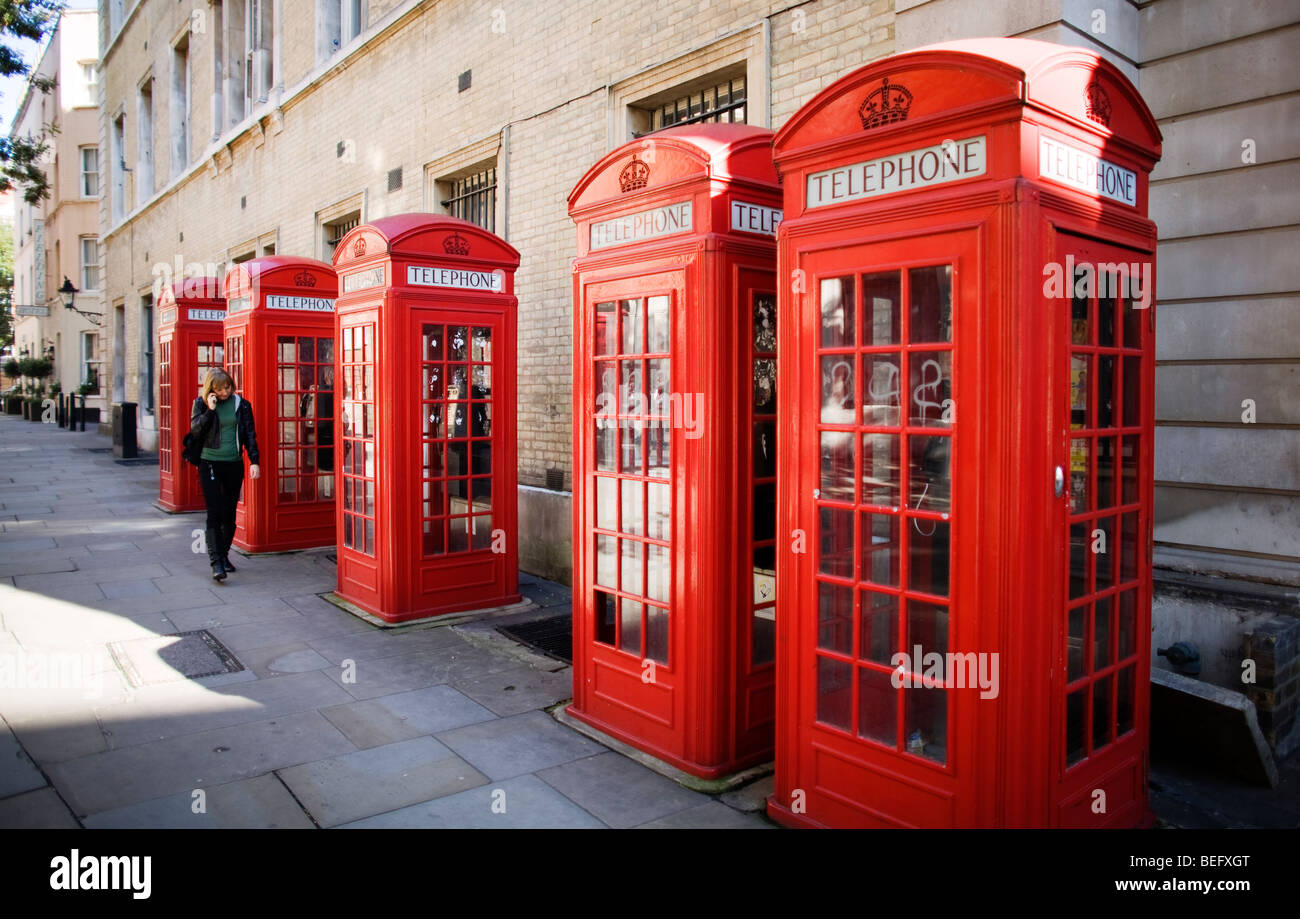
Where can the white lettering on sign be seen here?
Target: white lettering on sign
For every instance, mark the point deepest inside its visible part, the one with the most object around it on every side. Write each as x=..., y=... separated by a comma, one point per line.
x=360, y=280
x=32, y=310
x=312, y=304
x=1080, y=169
x=167, y=317
x=651, y=224
x=754, y=218
x=947, y=162
x=237, y=305
x=436, y=276
x=213, y=315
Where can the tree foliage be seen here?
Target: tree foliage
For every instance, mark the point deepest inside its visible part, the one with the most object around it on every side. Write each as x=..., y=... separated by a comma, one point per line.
x=20, y=156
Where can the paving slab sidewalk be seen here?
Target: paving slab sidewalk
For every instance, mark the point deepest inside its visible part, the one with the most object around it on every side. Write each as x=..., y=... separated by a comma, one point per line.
x=332, y=722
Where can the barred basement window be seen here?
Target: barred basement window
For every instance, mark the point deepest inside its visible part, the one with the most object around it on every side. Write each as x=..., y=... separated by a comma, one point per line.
x=722, y=101
x=473, y=198
x=336, y=230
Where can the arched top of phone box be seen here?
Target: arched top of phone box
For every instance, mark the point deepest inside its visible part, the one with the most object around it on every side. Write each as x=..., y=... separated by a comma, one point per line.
x=280, y=274
x=424, y=236
x=198, y=292
x=643, y=169
x=958, y=82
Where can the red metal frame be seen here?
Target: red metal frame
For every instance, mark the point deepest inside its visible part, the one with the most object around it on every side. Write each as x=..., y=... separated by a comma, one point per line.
x=863, y=465
x=668, y=589
x=280, y=324
x=426, y=327
x=189, y=344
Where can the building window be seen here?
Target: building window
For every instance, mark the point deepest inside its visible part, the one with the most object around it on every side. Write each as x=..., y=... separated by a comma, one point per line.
x=118, y=166
x=89, y=263
x=144, y=144
x=334, y=231
x=180, y=105
x=90, y=75
x=715, y=98
x=337, y=23
x=472, y=197
x=90, y=172
x=146, y=353
x=89, y=362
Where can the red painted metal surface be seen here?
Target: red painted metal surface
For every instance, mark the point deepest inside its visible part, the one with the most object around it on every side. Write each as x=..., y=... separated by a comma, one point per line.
x=189, y=345
x=933, y=382
x=280, y=325
x=428, y=515
x=674, y=453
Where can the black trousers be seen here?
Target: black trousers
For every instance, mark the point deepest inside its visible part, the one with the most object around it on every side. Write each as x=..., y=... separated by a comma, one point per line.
x=221, y=483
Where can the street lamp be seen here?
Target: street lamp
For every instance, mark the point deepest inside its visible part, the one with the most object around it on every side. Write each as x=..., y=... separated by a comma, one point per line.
x=68, y=294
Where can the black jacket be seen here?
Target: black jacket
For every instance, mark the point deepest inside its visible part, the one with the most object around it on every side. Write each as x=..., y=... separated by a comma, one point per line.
x=206, y=427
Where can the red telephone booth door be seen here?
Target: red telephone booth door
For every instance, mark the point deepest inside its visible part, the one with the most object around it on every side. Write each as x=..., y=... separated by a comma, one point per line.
x=879, y=492
x=1102, y=655
x=461, y=375
x=631, y=524
x=187, y=350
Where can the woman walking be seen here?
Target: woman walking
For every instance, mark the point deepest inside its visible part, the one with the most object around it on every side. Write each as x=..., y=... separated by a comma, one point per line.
x=223, y=423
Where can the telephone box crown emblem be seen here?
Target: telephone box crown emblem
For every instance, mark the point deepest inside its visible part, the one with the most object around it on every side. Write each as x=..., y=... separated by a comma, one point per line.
x=886, y=105
x=455, y=244
x=304, y=279
x=359, y=247
x=1098, y=106
x=635, y=175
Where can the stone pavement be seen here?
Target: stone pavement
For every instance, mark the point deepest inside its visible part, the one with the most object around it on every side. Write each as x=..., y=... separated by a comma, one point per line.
x=331, y=722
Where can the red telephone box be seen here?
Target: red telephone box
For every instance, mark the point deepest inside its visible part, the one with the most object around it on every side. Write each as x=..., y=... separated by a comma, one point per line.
x=426, y=328
x=280, y=341
x=967, y=355
x=675, y=433
x=190, y=313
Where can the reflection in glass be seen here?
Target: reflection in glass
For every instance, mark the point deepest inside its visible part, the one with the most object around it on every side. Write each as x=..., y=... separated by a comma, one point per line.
x=604, y=341
x=656, y=634
x=631, y=523
x=659, y=436
x=764, y=449
x=930, y=482
x=629, y=626
x=881, y=317
x=481, y=349
x=458, y=341
x=1079, y=497
x=631, y=552
x=835, y=542
x=837, y=389
x=657, y=317
x=927, y=556
x=837, y=312
x=835, y=692
x=931, y=303
x=1076, y=714
x=880, y=401
x=1132, y=388
x=880, y=469
x=605, y=569
x=604, y=607
x=630, y=446
x=658, y=522
x=834, y=618
x=1074, y=644
x=606, y=503
x=1124, y=701
x=632, y=322
x=1130, y=547
x=1106, y=391
x=658, y=572
x=1080, y=331
x=659, y=389
x=1106, y=312
x=1101, y=716
x=878, y=639
x=1104, y=547
x=1106, y=461
x=1127, y=624
x=764, y=387
x=1080, y=551
x=930, y=388
x=606, y=445
x=925, y=724
x=1080, y=393
x=764, y=317
x=880, y=549
x=1101, y=634
x=877, y=707
x=631, y=391
x=837, y=465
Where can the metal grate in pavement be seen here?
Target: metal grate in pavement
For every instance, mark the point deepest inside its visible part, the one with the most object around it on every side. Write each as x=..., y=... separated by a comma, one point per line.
x=168, y=658
x=553, y=636
x=147, y=460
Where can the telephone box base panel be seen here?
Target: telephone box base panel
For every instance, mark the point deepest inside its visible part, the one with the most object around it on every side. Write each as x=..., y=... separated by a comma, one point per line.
x=506, y=606
x=676, y=762
x=788, y=818
x=179, y=509
x=726, y=780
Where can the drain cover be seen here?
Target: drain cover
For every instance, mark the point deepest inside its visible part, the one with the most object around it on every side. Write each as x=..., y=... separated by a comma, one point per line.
x=167, y=658
x=150, y=460
x=553, y=637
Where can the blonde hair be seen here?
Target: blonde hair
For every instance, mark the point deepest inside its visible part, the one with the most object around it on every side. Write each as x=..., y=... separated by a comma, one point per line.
x=216, y=379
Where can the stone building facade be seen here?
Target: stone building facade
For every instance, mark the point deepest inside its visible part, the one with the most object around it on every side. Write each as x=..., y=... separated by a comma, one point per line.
x=240, y=127
x=59, y=237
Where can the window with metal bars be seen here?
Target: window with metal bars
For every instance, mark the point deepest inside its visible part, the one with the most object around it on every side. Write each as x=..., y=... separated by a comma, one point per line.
x=473, y=198
x=722, y=101
x=336, y=230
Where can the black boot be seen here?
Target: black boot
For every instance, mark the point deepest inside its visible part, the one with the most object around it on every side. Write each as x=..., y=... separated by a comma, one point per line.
x=212, y=537
x=227, y=537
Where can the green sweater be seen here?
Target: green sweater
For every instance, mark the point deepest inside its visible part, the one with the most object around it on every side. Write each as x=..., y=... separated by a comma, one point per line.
x=229, y=450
